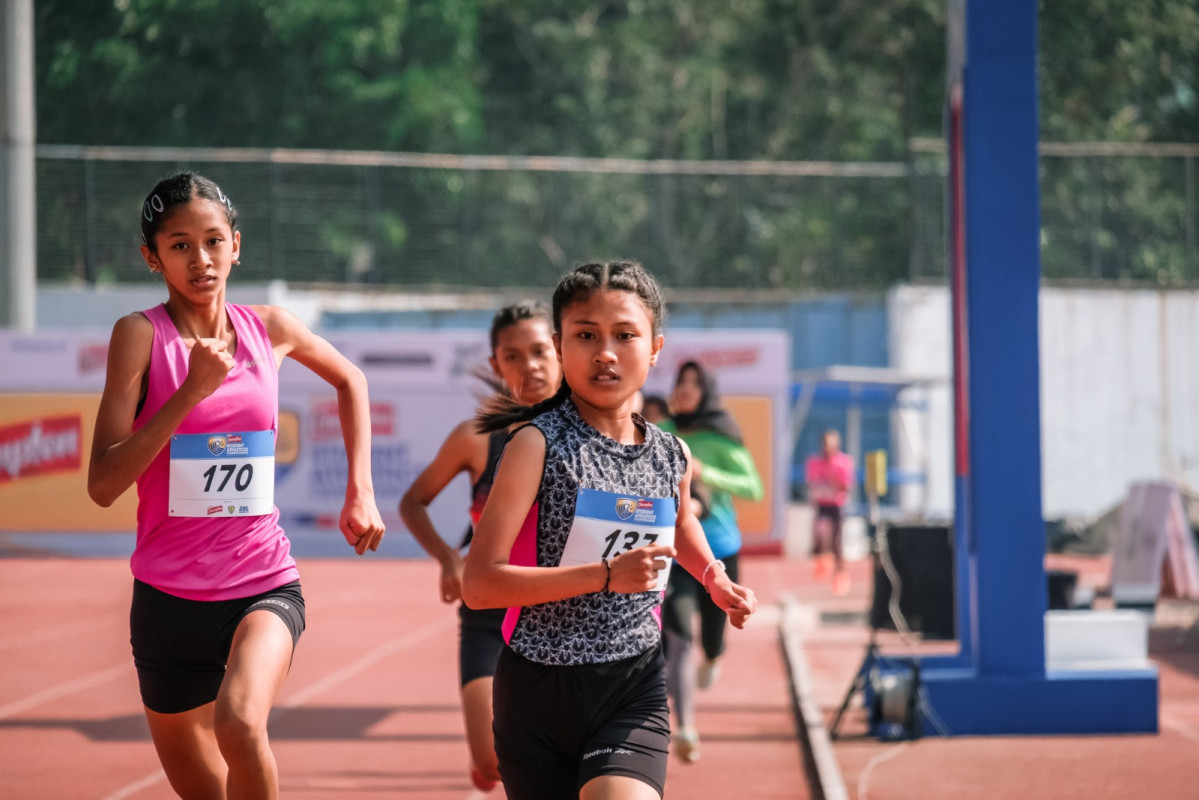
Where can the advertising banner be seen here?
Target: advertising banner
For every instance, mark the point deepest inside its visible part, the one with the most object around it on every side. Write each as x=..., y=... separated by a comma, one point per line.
x=421, y=385
x=45, y=442
x=752, y=369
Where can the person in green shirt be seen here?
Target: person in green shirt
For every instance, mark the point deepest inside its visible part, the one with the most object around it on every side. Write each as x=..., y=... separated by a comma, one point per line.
x=722, y=468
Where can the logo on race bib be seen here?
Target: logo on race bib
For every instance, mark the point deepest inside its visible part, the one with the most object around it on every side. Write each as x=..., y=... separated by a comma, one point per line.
x=230, y=509
x=214, y=510
x=625, y=507
x=236, y=446
x=645, y=512
x=217, y=444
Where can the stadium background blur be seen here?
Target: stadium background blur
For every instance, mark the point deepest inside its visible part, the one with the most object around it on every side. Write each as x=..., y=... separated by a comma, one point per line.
x=778, y=166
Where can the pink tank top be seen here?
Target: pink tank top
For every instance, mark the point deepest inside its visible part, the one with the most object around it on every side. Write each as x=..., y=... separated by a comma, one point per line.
x=193, y=557
x=829, y=479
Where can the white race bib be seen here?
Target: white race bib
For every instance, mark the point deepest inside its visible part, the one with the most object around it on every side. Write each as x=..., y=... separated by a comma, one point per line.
x=608, y=524
x=222, y=475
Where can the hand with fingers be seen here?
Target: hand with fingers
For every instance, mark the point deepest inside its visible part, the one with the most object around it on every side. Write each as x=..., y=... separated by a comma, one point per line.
x=637, y=570
x=207, y=366
x=361, y=523
x=738, y=601
x=451, y=577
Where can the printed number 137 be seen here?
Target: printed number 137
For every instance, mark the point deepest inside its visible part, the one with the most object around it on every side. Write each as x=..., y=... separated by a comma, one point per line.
x=631, y=539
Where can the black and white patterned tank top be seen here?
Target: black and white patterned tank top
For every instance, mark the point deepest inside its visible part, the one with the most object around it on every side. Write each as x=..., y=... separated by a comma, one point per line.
x=584, y=468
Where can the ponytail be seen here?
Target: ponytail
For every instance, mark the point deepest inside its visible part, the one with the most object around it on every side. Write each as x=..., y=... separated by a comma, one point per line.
x=501, y=412
x=494, y=383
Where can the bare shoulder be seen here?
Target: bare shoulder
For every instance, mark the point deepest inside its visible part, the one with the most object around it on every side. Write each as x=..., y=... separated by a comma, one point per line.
x=528, y=441
x=465, y=432
x=467, y=443
x=132, y=336
x=288, y=334
x=279, y=322
x=129, y=352
x=132, y=324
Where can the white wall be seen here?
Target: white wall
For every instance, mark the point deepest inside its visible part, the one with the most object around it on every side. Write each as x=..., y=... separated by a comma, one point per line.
x=922, y=439
x=1119, y=390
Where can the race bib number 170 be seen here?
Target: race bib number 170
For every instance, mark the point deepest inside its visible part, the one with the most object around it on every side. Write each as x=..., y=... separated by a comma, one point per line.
x=608, y=524
x=222, y=475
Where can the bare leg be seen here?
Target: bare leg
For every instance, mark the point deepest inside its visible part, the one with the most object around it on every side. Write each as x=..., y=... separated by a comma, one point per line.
x=258, y=663
x=476, y=709
x=680, y=678
x=617, y=787
x=840, y=576
x=821, y=547
x=188, y=752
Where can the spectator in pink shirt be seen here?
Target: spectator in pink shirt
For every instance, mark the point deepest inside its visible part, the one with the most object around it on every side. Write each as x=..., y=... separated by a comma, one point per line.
x=829, y=476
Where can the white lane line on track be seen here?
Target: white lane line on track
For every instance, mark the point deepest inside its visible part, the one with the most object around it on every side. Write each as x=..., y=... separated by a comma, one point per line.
x=331, y=680
x=886, y=755
x=816, y=737
x=368, y=660
x=1168, y=721
x=134, y=788
x=62, y=689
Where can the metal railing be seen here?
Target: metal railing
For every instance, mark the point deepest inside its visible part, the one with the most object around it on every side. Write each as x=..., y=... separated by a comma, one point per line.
x=1109, y=212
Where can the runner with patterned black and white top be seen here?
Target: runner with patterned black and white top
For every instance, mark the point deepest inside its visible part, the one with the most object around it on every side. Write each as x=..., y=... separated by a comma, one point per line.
x=576, y=542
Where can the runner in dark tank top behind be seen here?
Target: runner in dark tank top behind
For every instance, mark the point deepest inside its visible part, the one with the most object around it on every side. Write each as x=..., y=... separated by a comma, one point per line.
x=576, y=543
x=526, y=369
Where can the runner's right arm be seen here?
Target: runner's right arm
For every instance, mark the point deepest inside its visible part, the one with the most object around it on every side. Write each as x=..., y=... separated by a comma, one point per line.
x=464, y=450
x=119, y=455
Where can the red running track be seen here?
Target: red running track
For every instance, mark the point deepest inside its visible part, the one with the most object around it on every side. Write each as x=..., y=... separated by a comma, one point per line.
x=370, y=709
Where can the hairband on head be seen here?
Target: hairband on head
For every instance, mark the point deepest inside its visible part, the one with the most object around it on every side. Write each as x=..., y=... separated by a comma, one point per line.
x=154, y=204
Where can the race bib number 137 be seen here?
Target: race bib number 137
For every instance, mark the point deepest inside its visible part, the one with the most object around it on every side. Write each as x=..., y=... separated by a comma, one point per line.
x=608, y=524
x=222, y=475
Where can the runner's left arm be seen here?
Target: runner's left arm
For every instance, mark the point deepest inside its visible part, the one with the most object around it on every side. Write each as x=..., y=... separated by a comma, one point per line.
x=695, y=556
x=360, y=520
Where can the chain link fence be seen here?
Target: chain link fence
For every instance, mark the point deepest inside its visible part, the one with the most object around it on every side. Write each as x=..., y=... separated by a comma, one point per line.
x=1109, y=213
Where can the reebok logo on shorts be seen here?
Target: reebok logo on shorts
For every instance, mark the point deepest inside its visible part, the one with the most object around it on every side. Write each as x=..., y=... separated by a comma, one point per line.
x=605, y=751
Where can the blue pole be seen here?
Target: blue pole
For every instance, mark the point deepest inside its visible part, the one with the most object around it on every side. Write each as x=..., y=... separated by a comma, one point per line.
x=998, y=682
x=1002, y=218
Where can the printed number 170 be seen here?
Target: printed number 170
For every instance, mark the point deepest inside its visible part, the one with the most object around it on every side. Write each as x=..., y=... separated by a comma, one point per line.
x=631, y=539
x=244, y=475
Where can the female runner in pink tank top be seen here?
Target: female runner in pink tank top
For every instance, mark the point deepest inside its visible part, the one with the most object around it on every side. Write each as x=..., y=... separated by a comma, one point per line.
x=190, y=414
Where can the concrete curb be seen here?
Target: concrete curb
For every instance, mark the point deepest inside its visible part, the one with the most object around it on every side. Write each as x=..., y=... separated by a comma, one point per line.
x=827, y=782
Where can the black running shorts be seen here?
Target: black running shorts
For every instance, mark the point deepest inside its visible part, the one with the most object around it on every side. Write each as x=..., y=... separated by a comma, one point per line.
x=480, y=640
x=556, y=728
x=180, y=647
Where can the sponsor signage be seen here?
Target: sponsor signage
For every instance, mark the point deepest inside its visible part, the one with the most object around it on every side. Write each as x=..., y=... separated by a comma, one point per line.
x=421, y=383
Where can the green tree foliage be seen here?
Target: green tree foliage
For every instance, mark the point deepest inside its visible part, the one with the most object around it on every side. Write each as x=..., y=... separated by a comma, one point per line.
x=1129, y=74
x=836, y=80
x=1119, y=70
x=703, y=79
x=357, y=74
